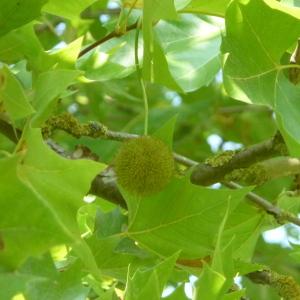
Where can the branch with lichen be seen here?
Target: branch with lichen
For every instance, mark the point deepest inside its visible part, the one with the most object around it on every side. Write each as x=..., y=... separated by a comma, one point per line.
x=267, y=170
x=216, y=168
x=104, y=184
x=71, y=125
x=285, y=285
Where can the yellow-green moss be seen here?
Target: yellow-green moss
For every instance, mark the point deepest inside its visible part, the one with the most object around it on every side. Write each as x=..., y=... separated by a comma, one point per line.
x=70, y=124
x=144, y=166
x=255, y=174
x=286, y=286
x=221, y=158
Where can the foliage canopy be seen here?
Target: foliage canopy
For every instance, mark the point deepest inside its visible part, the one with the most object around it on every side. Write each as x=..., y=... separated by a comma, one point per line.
x=216, y=81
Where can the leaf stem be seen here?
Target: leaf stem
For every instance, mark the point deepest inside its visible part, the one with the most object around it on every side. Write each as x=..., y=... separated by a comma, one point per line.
x=140, y=77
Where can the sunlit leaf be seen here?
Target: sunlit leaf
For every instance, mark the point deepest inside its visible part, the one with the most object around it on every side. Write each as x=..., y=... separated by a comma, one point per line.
x=67, y=9
x=254, y=71
x=185, y=206
x=209, y=7
x=46, y=191
x=192, y=51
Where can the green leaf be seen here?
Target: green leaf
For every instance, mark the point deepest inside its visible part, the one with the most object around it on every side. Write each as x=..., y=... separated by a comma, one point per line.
x=161, y=72
x=254, y=70
x=148, y=283
x=166, y=132
x=218, y=260
x=22, y=43
x=67, y=9
x=49, y=86
x=246, y=218
x=15, y=13
x=64, y=285
x=39, y=279
x=236, y=295
x=289, y=203
x=153, y=10
x=13, y=95
x=178, y=294
x=46, y=190
x=14, y=284
x=113, y=59
x=209, y=285
x=288, y=112
x=180, y=4
x=192, y=56
x=243, y=267
x=41, y=177
x=110, y=262
x=109, y=223
x=66, y=58
x=114, y=252
x=208, y=7
x=184, y=206
x=182, y=59
x=36, y=231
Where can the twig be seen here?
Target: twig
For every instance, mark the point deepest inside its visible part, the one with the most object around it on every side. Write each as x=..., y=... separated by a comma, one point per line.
x=280, y=215
x=111, y=35
x=235, y=109
x=88, y=14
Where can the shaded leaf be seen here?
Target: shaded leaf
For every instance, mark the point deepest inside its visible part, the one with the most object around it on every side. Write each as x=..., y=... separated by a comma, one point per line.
x=153, y=10
x=13, y=96
x=22, y=43
x=15, y=13
x=109, y=223
x=49, y=86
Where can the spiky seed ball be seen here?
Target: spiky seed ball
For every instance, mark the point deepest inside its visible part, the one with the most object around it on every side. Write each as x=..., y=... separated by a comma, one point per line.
x=144, y=165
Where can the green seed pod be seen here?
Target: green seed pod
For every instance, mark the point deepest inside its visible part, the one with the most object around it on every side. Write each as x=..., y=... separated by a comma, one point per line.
x=144, y=165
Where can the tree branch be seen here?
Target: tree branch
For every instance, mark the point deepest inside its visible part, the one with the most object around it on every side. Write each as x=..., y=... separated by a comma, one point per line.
x=109, y=36
x=104, y=185
x=89, y=14
x=280, y=215
x=281, y=167
x=286, y=286
x=216, y=168
x=109, y=191
x=267, y=170
x=236, y=109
